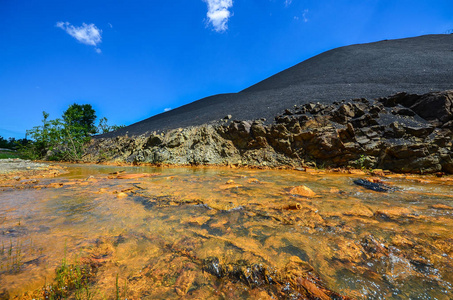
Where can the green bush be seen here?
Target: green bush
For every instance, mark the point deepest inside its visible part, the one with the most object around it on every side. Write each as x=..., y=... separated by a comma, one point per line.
x=64, y=139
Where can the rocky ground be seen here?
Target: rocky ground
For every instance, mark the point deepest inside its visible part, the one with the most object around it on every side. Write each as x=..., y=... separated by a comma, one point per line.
x=401, y=133
x=17, y=169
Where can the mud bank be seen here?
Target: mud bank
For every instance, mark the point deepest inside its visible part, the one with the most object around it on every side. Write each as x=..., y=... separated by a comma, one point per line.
x=402, y=133
x=17, y=169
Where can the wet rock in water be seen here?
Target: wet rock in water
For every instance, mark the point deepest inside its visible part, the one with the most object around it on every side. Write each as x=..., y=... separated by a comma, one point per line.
x=359, y=210
x=334, y=191
x=374, y=186
x=229, y=185
x=373, y=246
x=441, y=207
x=295, y=281
x=184, y=282
x=295, y=206
x=356, y=172
x=348, y=251
x=212, y=266
x=133, y=176
x=4, y=294
x=14, y=232
x=394, y=214
x=253, y=180
x=117, y=172
x=312, y=289
x=196, y=220
x=302, y=191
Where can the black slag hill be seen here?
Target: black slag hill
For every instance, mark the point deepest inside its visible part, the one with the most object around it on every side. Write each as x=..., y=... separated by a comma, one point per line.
x=414, y=65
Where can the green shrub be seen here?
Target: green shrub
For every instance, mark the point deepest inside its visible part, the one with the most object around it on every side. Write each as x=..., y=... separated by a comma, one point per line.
x=64, y=139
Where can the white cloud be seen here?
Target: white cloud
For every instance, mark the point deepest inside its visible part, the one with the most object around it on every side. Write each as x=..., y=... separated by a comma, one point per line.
x=288, y=2
x=304, y=15
x=87, y=34
x=218, y=13
x=167, y=109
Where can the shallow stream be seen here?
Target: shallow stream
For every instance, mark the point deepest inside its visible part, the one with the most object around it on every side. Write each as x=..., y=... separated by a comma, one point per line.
x=222, y=233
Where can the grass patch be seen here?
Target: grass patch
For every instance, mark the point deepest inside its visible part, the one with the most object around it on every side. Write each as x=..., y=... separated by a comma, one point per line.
x=9, y=154
x=71, y=280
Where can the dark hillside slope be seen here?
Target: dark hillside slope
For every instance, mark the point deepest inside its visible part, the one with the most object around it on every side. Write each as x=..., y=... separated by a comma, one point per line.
x=414, y=65
x=421, y=60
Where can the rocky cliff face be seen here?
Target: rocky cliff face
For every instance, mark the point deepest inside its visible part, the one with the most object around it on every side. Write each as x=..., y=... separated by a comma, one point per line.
x=401, y=133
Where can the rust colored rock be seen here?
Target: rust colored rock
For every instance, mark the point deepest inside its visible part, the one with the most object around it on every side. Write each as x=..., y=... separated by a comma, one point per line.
x=378, y=172
x=295, y=206
x=184, y=282
x=228, y=186
x=312, y=289
x=55, y=185
x=359, y=210
x=356, y=172
x=303, y=191
x=374, y=180
x=133, y=176
x=196, y=220
x=442, y=207
x=334, y=191
x=253, y=180
x=394, y=214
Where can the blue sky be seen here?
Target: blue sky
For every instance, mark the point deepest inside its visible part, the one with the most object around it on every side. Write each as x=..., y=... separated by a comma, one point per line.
x=134, y=59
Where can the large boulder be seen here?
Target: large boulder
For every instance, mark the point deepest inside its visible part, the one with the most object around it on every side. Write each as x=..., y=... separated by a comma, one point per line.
x=435, y=107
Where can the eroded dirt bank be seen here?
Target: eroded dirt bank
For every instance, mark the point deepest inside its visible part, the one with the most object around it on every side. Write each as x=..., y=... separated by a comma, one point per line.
x=402, y=133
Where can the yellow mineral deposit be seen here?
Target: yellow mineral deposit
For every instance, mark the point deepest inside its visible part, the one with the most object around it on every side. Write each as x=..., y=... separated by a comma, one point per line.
x=224, y=233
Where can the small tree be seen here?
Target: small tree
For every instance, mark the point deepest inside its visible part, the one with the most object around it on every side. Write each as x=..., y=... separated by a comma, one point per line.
x=80, y=118
x=3, y=142
x=103, y=127
x=64, y=139
x=45, y=137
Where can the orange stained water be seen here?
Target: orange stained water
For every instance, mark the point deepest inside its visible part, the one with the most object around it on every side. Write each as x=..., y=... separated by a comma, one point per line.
x=149, y=237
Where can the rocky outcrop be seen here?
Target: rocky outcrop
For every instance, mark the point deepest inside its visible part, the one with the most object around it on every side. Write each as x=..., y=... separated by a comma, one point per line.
x=401, y=133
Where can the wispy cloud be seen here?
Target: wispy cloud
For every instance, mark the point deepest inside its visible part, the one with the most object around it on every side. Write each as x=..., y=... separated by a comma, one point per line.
x=167, y=109
x=288, y=2
x=87, y=34
x=219, y=13
x=304, y=16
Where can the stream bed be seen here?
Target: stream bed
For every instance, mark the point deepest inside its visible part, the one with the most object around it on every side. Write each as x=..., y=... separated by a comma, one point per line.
x=107, y=232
